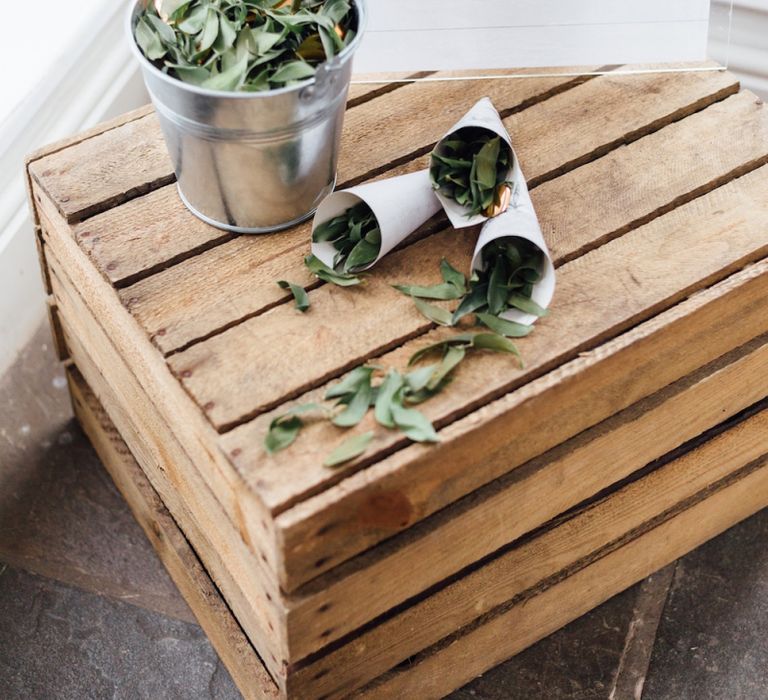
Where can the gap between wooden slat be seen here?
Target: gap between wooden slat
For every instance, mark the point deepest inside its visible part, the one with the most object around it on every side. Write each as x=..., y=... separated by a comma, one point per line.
x=699, y=499
x=571, y=513
x=697, y=193
x=386, y=88
x=371, y=174
x=637, y=134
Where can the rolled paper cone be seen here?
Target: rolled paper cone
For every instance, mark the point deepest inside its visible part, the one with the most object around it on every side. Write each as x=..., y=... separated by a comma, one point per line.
x=400, y=204
x=520, y=221
x=483, y=116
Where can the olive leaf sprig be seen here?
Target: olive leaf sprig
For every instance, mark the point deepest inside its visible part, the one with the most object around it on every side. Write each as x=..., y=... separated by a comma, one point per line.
x=243, y=45
x=510, y=267
x=392, y=398
x=356, y=237
x=472, y=167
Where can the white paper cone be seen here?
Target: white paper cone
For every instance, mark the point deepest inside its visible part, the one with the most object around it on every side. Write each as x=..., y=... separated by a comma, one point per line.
x=483, y=115
x=400, y=204
x=520, y=221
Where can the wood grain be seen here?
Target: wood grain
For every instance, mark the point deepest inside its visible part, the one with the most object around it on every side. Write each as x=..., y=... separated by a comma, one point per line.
x=642, y=273
x=172, y=547
x=462, y=657
x=529, y=567
x=106, y=169
x=222, y=368
x=244, y=582
x=155, y=232
x=524, y=500
x=211, y=292
x=192, y=463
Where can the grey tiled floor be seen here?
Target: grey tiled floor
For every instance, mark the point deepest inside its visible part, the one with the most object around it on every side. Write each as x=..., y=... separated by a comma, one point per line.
x=87, y=611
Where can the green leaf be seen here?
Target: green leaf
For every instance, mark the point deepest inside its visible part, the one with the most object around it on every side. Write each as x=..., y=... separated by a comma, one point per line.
x=209, y=33
x=476, y=299
x=434, y=313
x=194, y=22
x=325, y=273
x=441, y=346
x=392, y=383
x=149, y=41
x=495, y=343
x=350, y=384
x=414, y=424
x=526, y=305
x=349, y=449
x=227, y=35
x=440, y=292
x=452, y=359
x=230, y=79
x=418, y=379
x=361, y=256
x=486, y=163
x=497, y=290
x=163, y=30
x=293, y=70
x=510, y=329
x=453, y=277
x=284, y=429
x=194, y=75
x=299, y=294
x=357, y=406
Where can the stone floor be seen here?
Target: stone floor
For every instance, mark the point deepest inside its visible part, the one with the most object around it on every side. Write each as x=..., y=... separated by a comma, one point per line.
x=87, y=611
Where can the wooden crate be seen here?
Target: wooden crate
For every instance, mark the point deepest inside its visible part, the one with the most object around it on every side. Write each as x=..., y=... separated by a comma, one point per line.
x=553, y=487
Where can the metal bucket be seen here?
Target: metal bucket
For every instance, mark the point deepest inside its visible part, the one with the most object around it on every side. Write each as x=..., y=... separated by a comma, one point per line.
x=253, y=162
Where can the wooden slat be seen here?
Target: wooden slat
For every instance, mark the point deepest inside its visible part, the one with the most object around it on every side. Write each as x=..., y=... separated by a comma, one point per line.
x=147, y=366
x=701, y=242
x=210, y=292
x=459, y=659
x=240, y=575
x=524, y=500
x=638, y=182
x=126, y=246
x=105, y=170
x=405, y=487
x=221, y=368
x=174, y=550
x=40, y=247
x=532, y=565
x=533, y=569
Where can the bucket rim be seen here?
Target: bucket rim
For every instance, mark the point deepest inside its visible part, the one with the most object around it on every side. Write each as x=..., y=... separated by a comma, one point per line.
x=344, y=55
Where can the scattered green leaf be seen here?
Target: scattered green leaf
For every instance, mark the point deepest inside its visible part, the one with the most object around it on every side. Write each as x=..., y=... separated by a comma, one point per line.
x=436, y=314
x=510, y=329
x=284, y=429
x=348, y=450
x=318, y=268
x=300, y=295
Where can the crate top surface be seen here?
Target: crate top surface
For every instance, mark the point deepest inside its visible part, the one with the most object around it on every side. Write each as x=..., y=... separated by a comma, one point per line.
x=641, y=183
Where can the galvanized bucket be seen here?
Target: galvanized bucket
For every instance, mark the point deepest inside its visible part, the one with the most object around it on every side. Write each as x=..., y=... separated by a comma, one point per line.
x=253, y=162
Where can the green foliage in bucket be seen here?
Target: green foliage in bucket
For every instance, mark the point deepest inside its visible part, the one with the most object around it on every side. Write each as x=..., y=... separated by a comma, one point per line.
x=355, y=235
x=243, y=45
x=472, y=167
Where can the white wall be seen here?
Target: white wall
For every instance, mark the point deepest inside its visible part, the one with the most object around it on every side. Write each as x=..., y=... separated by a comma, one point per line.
x=404, y=35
